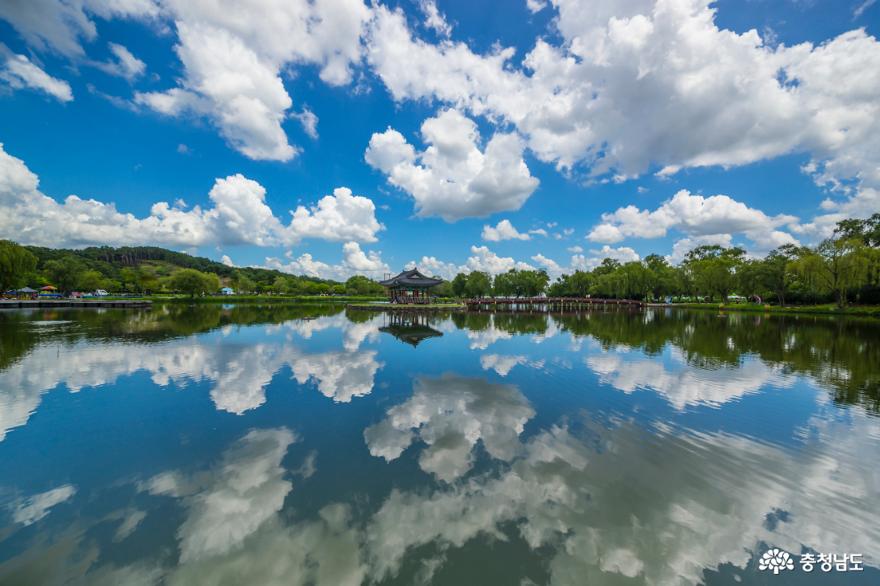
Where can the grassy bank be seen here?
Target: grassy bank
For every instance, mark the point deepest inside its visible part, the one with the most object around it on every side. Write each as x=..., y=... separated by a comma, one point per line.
x=827, y=309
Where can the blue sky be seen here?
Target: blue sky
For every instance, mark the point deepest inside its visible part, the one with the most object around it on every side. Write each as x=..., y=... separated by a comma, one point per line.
x=573, y=130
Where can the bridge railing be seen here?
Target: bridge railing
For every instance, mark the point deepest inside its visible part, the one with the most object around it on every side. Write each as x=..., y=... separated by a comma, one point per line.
x=550, y=301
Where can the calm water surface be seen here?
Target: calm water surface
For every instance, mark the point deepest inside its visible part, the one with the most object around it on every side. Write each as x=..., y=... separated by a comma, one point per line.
x=249, y=445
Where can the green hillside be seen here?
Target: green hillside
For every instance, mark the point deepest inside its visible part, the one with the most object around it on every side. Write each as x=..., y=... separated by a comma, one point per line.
x=111, y=261
x=145, y=268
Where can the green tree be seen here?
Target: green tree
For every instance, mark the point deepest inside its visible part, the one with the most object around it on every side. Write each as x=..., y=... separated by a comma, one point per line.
x=608, y=266
x=775, y=271
x=361, y=285
x=579, y=283
x=280, y=285
x=713, y=269
x=242, y=283
x=16, y=263
x=146, y=278
x=835, y=266
x=534, y=282
x=479, y=284
x=318, y=288
x=749, y=278
x=90, y=280
x=635, y=280
x=65, y=272
x=298, y=286
x=194, y=282
x=111, y=285
x=867, y=231
x=212, y=283
x=661, y=277
x=459, y=285
x=444, y=289
x=129, y=278
x=504, y=284
x=521, y=283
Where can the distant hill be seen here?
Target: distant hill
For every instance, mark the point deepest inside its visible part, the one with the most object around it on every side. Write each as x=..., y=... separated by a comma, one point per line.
x=111, y=261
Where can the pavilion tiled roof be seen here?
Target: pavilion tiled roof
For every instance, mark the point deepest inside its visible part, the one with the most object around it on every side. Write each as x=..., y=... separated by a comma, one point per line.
x=411, y=278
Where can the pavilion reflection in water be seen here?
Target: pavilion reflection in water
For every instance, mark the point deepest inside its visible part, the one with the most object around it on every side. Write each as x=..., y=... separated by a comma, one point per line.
x=409, y=327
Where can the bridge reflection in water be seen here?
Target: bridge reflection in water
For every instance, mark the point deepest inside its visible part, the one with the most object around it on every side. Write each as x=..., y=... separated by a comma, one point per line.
x=547, y=303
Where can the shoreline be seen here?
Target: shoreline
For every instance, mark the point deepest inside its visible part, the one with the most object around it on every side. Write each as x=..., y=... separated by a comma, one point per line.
x=79, y=303
x=372, y=304
x=832, y=310
x=267, y=299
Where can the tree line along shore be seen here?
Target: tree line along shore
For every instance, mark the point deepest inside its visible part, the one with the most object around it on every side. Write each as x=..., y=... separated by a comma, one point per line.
x=841, y=270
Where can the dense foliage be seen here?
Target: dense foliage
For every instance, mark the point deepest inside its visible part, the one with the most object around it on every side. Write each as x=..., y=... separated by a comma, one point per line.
x=843, y=268
x=194, y=282
x=16, y=262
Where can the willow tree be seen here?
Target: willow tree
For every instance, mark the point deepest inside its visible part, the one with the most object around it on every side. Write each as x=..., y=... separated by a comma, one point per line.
x=713, y=269
x=521, y=283
x=835, y=266
x=661, y=276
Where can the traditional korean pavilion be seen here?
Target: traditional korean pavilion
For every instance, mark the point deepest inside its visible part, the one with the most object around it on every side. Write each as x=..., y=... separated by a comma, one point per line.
x=410, y=287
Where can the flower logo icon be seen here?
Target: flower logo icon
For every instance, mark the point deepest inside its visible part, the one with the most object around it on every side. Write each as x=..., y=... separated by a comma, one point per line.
x=776, y=560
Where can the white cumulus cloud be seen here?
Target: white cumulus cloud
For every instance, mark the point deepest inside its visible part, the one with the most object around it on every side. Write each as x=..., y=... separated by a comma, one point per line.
x=483, y=259
x=504, y=230
x=621, y=254
x=452, y=178
x=233, y=56
x=238, y=215
x=694, y=215
x=431, y=265
x=637, y=84
x=341, y=216
x=355, y=261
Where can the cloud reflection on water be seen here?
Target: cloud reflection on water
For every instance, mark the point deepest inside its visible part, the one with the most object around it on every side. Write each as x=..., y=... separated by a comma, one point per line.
x=681, y=384
x=649, y=498
x=233, y=500
x=237, y=372
x=450, y=415
x=663, y=508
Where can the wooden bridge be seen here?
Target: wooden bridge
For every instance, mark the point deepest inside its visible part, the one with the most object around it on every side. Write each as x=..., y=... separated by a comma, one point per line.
x=547, y=303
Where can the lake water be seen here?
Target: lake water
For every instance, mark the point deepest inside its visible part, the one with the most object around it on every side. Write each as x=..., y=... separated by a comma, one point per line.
x=313, y=445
